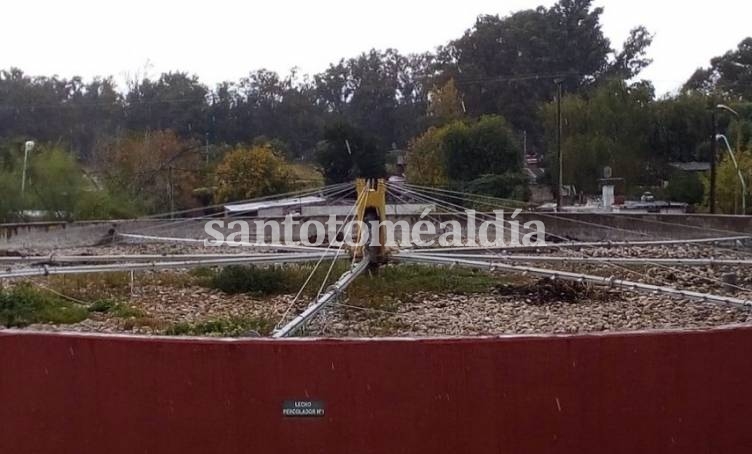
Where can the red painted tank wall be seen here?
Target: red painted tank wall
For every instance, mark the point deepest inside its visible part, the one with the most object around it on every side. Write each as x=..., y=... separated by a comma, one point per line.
x=663, y=393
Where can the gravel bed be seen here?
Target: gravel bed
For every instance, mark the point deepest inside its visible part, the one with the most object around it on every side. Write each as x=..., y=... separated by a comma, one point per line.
x=531, y=307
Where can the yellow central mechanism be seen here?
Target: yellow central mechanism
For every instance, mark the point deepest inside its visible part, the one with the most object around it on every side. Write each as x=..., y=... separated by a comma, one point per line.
x=371, y=208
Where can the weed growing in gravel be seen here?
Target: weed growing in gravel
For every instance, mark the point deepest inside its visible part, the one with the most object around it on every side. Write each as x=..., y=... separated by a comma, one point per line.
x=95, y=286
x=379, y=288
x=116, y=309
x=228, y=327
x=24, y=305
x=265, y=281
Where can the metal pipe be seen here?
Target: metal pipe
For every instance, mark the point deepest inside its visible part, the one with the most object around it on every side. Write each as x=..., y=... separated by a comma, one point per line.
x=61, y=259
x=575, y=245
x=619, y=260
x=289, y=247
x=579, y=277
x=301, y=320
x=119, y=267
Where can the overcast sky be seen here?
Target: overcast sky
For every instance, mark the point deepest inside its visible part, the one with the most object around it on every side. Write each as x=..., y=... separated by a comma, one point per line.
x=225, y=39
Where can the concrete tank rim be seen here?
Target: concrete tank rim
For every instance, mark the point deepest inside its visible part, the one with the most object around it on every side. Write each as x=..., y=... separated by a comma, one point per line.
x=138, y=338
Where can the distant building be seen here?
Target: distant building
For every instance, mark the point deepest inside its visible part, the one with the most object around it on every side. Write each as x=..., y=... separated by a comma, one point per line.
x=692, y=166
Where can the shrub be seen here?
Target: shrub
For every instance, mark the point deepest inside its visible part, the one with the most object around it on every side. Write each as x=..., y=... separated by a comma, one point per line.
x=506, y=186
x=249, y=279
x=685, y=187
x=246, y=174
x=103, y=205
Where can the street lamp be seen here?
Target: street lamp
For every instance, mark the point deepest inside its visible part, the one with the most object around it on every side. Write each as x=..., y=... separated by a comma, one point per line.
x=738, y=171
x=713, y=152
x=28, y=148
x=727, y=108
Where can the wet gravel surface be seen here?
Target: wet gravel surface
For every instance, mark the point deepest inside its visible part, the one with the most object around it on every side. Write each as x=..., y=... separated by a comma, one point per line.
x=531, y=306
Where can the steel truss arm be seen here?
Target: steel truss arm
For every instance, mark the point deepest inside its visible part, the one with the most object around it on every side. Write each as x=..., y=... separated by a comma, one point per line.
x=331, y=294
x=617, y=260
x=119, y=267
x=579, y=277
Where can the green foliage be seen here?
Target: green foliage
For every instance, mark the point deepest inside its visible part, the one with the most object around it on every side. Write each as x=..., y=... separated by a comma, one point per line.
x=463, y=150
x=116, y=309
x=10, y=202
x=55, y=185
x=229, y=327
x=55, y=182
x=347, y=153
x=487, y=146
x=404, y=282
x=156, y=170
x=425, y=161
x=681, y=128
x=728, y=186
x=685, y=187
x=254, y=280
x=24, y=305
x=610, y=127
x=729, y=74
x=389, y=283
x=100, y=204
x=565, y=39
x=445, y=104
x=506, y=186
x=249, y=173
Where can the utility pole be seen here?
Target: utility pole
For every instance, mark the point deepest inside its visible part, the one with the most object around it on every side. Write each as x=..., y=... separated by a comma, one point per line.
x=172, y=193
x=559, y=180
x=713, y=139
x=206, y=148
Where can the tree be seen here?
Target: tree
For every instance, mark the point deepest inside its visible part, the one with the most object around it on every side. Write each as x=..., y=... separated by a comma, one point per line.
x=445, y=104
x=631, y=60
x=507, y=65
x=10, y=202
x=51, y=109
x=158, y=170
x=728, y=186
x=729, y=74
x=378, y=91
x=681, y=129
x=609, y=127
x=56, y=182
x=426, y=164
x=685, y=187
x=506, y=186
x=250, y=173
x=485, y=146
x=347, y=153
x=175, y=101
x=462, y=151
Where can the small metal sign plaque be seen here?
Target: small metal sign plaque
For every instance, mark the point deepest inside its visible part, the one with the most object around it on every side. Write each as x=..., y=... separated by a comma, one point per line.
x=303, y=408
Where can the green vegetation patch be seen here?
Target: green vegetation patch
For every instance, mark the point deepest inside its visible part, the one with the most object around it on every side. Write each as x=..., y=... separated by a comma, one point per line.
x=116, y=309
x=24, y=305
x=402, y=282
x=378, y=288
x=227, y=327
x=267, y=281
